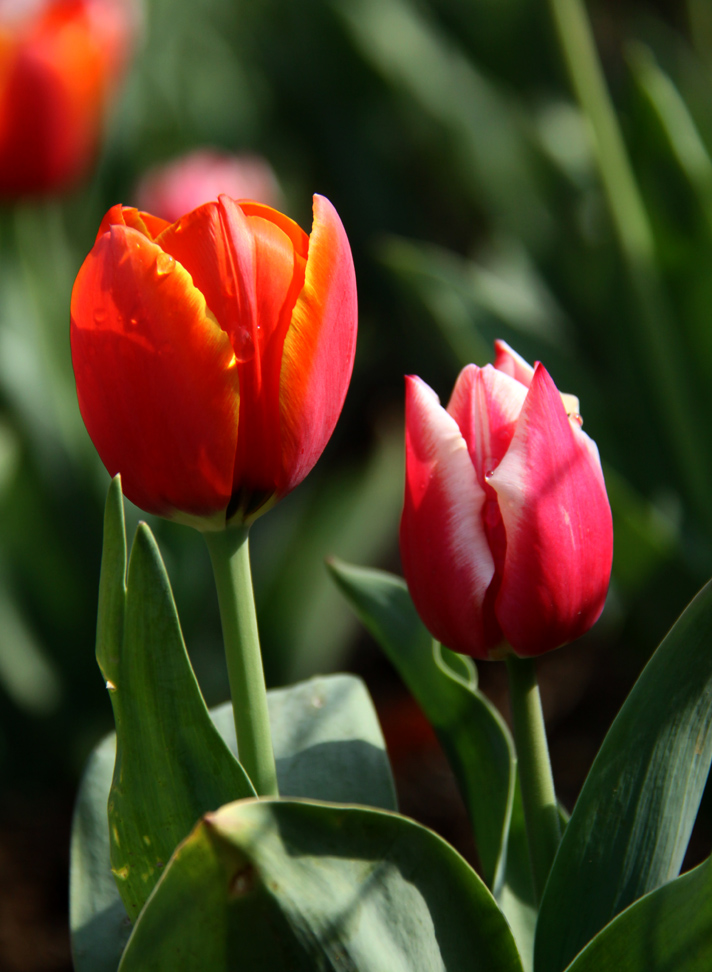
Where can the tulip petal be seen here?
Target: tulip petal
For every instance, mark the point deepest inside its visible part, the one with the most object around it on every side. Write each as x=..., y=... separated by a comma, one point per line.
x=319, y=348
x=558, y=526
x=156, y=378
x=510, y=363
x=118, y=215
x=446, y=560
x=486, y=404
x=215, y=245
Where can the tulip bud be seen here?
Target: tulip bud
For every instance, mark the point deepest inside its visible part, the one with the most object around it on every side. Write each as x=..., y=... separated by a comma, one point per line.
x=187, y=182
x=59, y=61
x=212, y=355
x=506, y=536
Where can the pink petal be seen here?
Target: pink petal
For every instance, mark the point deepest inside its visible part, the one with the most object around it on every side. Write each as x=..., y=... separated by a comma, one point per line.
x=446, y=560
x=511, y=363
x=486, y=404
x=558, y=526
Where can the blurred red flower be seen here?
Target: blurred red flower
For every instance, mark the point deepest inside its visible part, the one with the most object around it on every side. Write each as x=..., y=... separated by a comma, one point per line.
x=59, y=61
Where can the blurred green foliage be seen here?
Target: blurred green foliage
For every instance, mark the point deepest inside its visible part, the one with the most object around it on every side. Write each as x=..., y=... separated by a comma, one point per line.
x=469, y=178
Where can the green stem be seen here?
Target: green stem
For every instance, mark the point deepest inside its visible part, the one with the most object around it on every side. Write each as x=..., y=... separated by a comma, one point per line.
x=657, y=340
x=230, y=556
x=541, y=812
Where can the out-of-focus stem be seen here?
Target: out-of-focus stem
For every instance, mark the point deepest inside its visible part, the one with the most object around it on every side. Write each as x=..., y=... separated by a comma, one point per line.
x=541, y=814
x=230, y=556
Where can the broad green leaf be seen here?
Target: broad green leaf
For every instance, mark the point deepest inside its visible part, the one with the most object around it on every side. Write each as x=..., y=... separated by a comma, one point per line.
x=631, y=824
x=265, y=884
x=171, y=763
x=328, y=746
x=470, y=729
x=668, y=930
x=327, y=742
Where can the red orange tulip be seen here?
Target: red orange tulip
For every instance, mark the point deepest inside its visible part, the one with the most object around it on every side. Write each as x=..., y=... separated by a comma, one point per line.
x=212, y=355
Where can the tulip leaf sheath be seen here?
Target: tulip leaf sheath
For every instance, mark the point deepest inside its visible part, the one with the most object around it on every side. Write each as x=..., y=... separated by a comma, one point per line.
x=506, y=536
x=212, y=355
x=171, y=763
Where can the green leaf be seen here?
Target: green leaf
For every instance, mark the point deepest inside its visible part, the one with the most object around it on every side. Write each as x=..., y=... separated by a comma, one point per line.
x=264, y=885
x=327, y=742
x=112, y=584
x=516, y=897
x=631, y=824
x=328, y=746
x=669, y=930
x=171, y=763
x=471, y=731
x=99, y=924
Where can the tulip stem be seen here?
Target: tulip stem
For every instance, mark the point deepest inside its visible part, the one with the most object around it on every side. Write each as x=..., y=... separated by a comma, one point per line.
x=230, y=555
x=541, y=812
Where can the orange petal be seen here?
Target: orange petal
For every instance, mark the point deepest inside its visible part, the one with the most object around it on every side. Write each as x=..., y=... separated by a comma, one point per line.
x=319, y=347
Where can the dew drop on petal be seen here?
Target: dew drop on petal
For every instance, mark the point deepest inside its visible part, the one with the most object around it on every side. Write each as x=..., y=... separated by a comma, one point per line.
x=243, y=345
x=100, y=315
x=164, y=264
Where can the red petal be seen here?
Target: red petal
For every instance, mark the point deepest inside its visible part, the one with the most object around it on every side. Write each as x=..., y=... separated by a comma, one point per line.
x=319, y=347
x=558, y=525
x=120, y=215
x=155, y=376
x=217, y=249
x=247, y=265
x=444, y=551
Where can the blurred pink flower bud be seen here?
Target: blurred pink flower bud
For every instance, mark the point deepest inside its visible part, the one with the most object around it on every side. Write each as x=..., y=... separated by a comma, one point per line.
x=182, y=185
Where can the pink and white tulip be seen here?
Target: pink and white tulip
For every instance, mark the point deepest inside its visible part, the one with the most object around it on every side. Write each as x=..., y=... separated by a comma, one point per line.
x=506, y=536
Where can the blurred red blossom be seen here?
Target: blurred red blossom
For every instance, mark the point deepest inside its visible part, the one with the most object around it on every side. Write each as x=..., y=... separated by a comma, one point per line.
x=59, y=63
